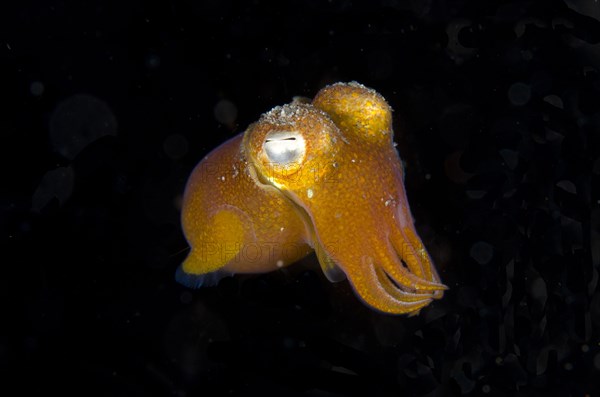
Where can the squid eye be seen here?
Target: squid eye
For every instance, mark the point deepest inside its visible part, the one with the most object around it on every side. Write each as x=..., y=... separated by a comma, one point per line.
x=284, y=147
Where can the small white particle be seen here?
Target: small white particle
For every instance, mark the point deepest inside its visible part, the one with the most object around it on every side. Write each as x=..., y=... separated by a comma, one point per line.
x=222, y=178
x=387, y=202
x=279, y=263
x=282, y=229
x=309, y=193
x=354, y=161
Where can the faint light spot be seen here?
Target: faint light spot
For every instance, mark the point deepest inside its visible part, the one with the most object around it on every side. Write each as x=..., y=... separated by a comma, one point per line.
x=185, y=297
x=522, y=25
x=519, y=94
x=427, y=176
x=553, y=135
x=485, y=388
x=152, y=61
x=226, y=112
x=175, y=146
x=567, y=186
x=475, y=194
x=57, y=183
x=178, y=202
x=36, y=88
x=31, y=343
x=456, y=50
x=511, y=158
x=585, y=348
x=482, y=252
x=554, y=100
x=453, y=168
x=538, y=289
x=280, y=263
x=568, y=366
x=343, y=370
x=78, y=121
x=309, y=193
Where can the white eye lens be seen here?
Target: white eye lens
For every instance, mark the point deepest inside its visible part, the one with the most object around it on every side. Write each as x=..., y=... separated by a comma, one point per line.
x=284, y=147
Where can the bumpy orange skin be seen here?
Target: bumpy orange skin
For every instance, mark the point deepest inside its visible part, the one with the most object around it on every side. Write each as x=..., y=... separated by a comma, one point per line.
x=344, y=197
x=233, y=222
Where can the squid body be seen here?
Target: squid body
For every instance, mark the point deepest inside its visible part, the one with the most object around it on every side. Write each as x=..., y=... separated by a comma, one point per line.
x=320, y=176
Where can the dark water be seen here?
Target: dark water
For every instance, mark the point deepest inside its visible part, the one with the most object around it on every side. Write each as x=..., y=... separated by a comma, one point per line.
x=108, y=105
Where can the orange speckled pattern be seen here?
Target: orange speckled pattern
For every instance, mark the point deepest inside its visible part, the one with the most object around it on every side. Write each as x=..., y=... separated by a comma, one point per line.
x=234, y=223
x=341, y=193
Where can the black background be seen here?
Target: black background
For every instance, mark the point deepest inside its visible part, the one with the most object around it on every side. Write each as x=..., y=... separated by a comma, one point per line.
x=108, y=105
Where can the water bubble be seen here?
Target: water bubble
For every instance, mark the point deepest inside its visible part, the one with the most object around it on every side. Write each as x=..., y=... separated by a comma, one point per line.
x=36, y=88
x=226, y=112
x=585, y=348
x=538, y=289
x=78, y=121
x=186, y=297
x=482, y=252
x=152, y=61
x=568, y=366
x=519, y=94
